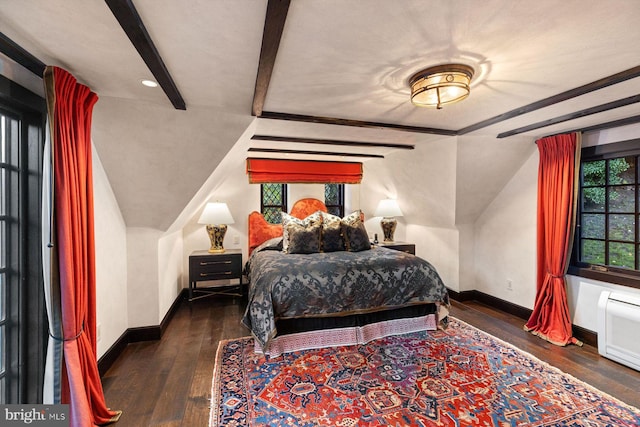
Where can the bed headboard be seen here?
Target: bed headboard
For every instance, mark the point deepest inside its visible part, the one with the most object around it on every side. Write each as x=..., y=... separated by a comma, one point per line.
x=260, y=230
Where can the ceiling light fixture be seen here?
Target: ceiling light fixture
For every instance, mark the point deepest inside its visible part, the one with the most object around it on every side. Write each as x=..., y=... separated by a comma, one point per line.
x=149, y=83
x=440, y=85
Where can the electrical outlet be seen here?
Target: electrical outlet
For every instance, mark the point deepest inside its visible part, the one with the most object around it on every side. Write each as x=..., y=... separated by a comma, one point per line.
x=236, y=239
x=509, y=285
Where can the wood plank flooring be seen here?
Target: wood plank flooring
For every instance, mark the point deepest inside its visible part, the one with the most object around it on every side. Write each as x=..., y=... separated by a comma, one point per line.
x=168, y=382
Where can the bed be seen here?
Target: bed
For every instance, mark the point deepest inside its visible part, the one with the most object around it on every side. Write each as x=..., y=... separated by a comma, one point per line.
x=307, y=291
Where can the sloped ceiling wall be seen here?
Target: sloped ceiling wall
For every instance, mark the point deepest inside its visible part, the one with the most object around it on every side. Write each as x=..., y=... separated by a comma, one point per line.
x=157, y=158
x=483, y=166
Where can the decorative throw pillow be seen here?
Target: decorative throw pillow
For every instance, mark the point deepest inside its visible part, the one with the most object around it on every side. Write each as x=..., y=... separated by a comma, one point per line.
x=274, y=244
x=354, y=233
x=314, y=218
x=331, y=238
x=304, y=239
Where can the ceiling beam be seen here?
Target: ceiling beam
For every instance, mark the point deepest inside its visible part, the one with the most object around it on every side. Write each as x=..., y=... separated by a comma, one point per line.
x=607, y=125
x=272, y=33
x=127, y=15
x=21, y=56
x=620, y=77
x=571, y=116
x=314, y=153
x=356, y=123
x=331, y=142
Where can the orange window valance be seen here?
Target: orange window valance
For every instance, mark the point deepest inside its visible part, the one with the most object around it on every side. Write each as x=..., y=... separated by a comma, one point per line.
x=262, y=171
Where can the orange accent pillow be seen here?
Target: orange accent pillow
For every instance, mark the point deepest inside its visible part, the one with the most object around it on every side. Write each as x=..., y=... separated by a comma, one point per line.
x=260, y=230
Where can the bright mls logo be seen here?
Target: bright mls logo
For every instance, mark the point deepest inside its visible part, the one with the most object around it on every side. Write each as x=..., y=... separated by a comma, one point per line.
x=34, y=415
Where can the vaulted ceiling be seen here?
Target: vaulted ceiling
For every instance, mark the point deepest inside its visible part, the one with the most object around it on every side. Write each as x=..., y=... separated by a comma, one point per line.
x=339, y=72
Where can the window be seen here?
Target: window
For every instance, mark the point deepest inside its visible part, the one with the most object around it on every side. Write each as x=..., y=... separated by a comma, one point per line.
x=273, y=201
x=334, y=199
x=23, y=325
x=607, y=234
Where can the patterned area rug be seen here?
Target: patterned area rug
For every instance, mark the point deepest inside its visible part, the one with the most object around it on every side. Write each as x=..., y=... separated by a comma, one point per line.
x=458, y=377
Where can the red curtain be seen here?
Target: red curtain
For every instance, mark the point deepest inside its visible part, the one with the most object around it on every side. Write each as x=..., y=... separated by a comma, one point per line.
x=557, y=194
x=262, y=171
x=70, y=112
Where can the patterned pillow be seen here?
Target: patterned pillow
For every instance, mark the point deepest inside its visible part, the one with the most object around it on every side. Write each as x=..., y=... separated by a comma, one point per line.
x=355, y=235
x=304, y=239
x=314, y=218
x=332, y=239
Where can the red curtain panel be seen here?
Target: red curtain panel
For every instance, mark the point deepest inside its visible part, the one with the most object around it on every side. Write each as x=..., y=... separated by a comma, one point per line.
x=70, y=112
x=262, y=171
x=557, y=193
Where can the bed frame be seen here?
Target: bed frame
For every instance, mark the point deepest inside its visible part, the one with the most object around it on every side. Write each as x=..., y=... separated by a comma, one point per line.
x=300, y=334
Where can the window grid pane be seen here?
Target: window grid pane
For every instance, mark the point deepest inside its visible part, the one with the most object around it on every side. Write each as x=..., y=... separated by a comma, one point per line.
x=272, y=195
x=331, y=194
x=622, y=227
x=334, y=199
x=273, y=201
x=3, y=146
x=593, y=251
x=3, y=244
x=622, y=199
x=334, y=210
x=4, y=195
x=622, y=255
x=593, y=226
x=2, y=352
x=3, y=299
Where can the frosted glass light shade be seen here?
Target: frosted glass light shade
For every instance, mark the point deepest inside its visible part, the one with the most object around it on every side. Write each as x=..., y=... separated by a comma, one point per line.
x=440, y=85
x=216, y=213
x=388, y=208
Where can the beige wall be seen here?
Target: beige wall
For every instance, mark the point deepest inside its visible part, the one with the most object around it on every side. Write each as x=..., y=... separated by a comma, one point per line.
x=505, y=245
x=111, y=261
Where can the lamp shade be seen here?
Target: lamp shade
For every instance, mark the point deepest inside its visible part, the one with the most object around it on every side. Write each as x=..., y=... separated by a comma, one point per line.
x=216, y=213
x=388, y=208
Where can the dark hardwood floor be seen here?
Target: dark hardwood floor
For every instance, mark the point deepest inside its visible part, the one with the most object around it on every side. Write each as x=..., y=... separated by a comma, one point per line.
x=168, y=382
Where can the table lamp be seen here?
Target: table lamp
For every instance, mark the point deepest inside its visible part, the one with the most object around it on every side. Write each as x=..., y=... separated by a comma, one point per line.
x=388, y=209
x=216, y=216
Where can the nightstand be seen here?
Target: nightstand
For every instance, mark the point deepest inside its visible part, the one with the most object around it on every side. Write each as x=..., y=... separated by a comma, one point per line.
x=400, y=246
x=204, y=266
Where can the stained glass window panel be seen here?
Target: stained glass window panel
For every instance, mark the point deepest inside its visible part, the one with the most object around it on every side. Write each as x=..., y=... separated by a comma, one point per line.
x=334, y=199
x=273, y=201
x=272, y=194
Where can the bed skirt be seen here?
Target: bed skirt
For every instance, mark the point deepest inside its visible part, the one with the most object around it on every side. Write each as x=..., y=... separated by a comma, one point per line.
x=312, y=333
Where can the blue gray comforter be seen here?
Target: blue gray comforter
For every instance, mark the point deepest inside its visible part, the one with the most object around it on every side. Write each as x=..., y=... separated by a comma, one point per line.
x=286, y=286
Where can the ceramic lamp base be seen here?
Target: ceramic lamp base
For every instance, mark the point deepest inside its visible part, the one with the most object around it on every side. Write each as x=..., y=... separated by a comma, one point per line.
x=388, y=225
x=216, y=235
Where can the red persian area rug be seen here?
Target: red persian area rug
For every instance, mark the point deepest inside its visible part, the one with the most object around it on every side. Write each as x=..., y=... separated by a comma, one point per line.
x=457, y=377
